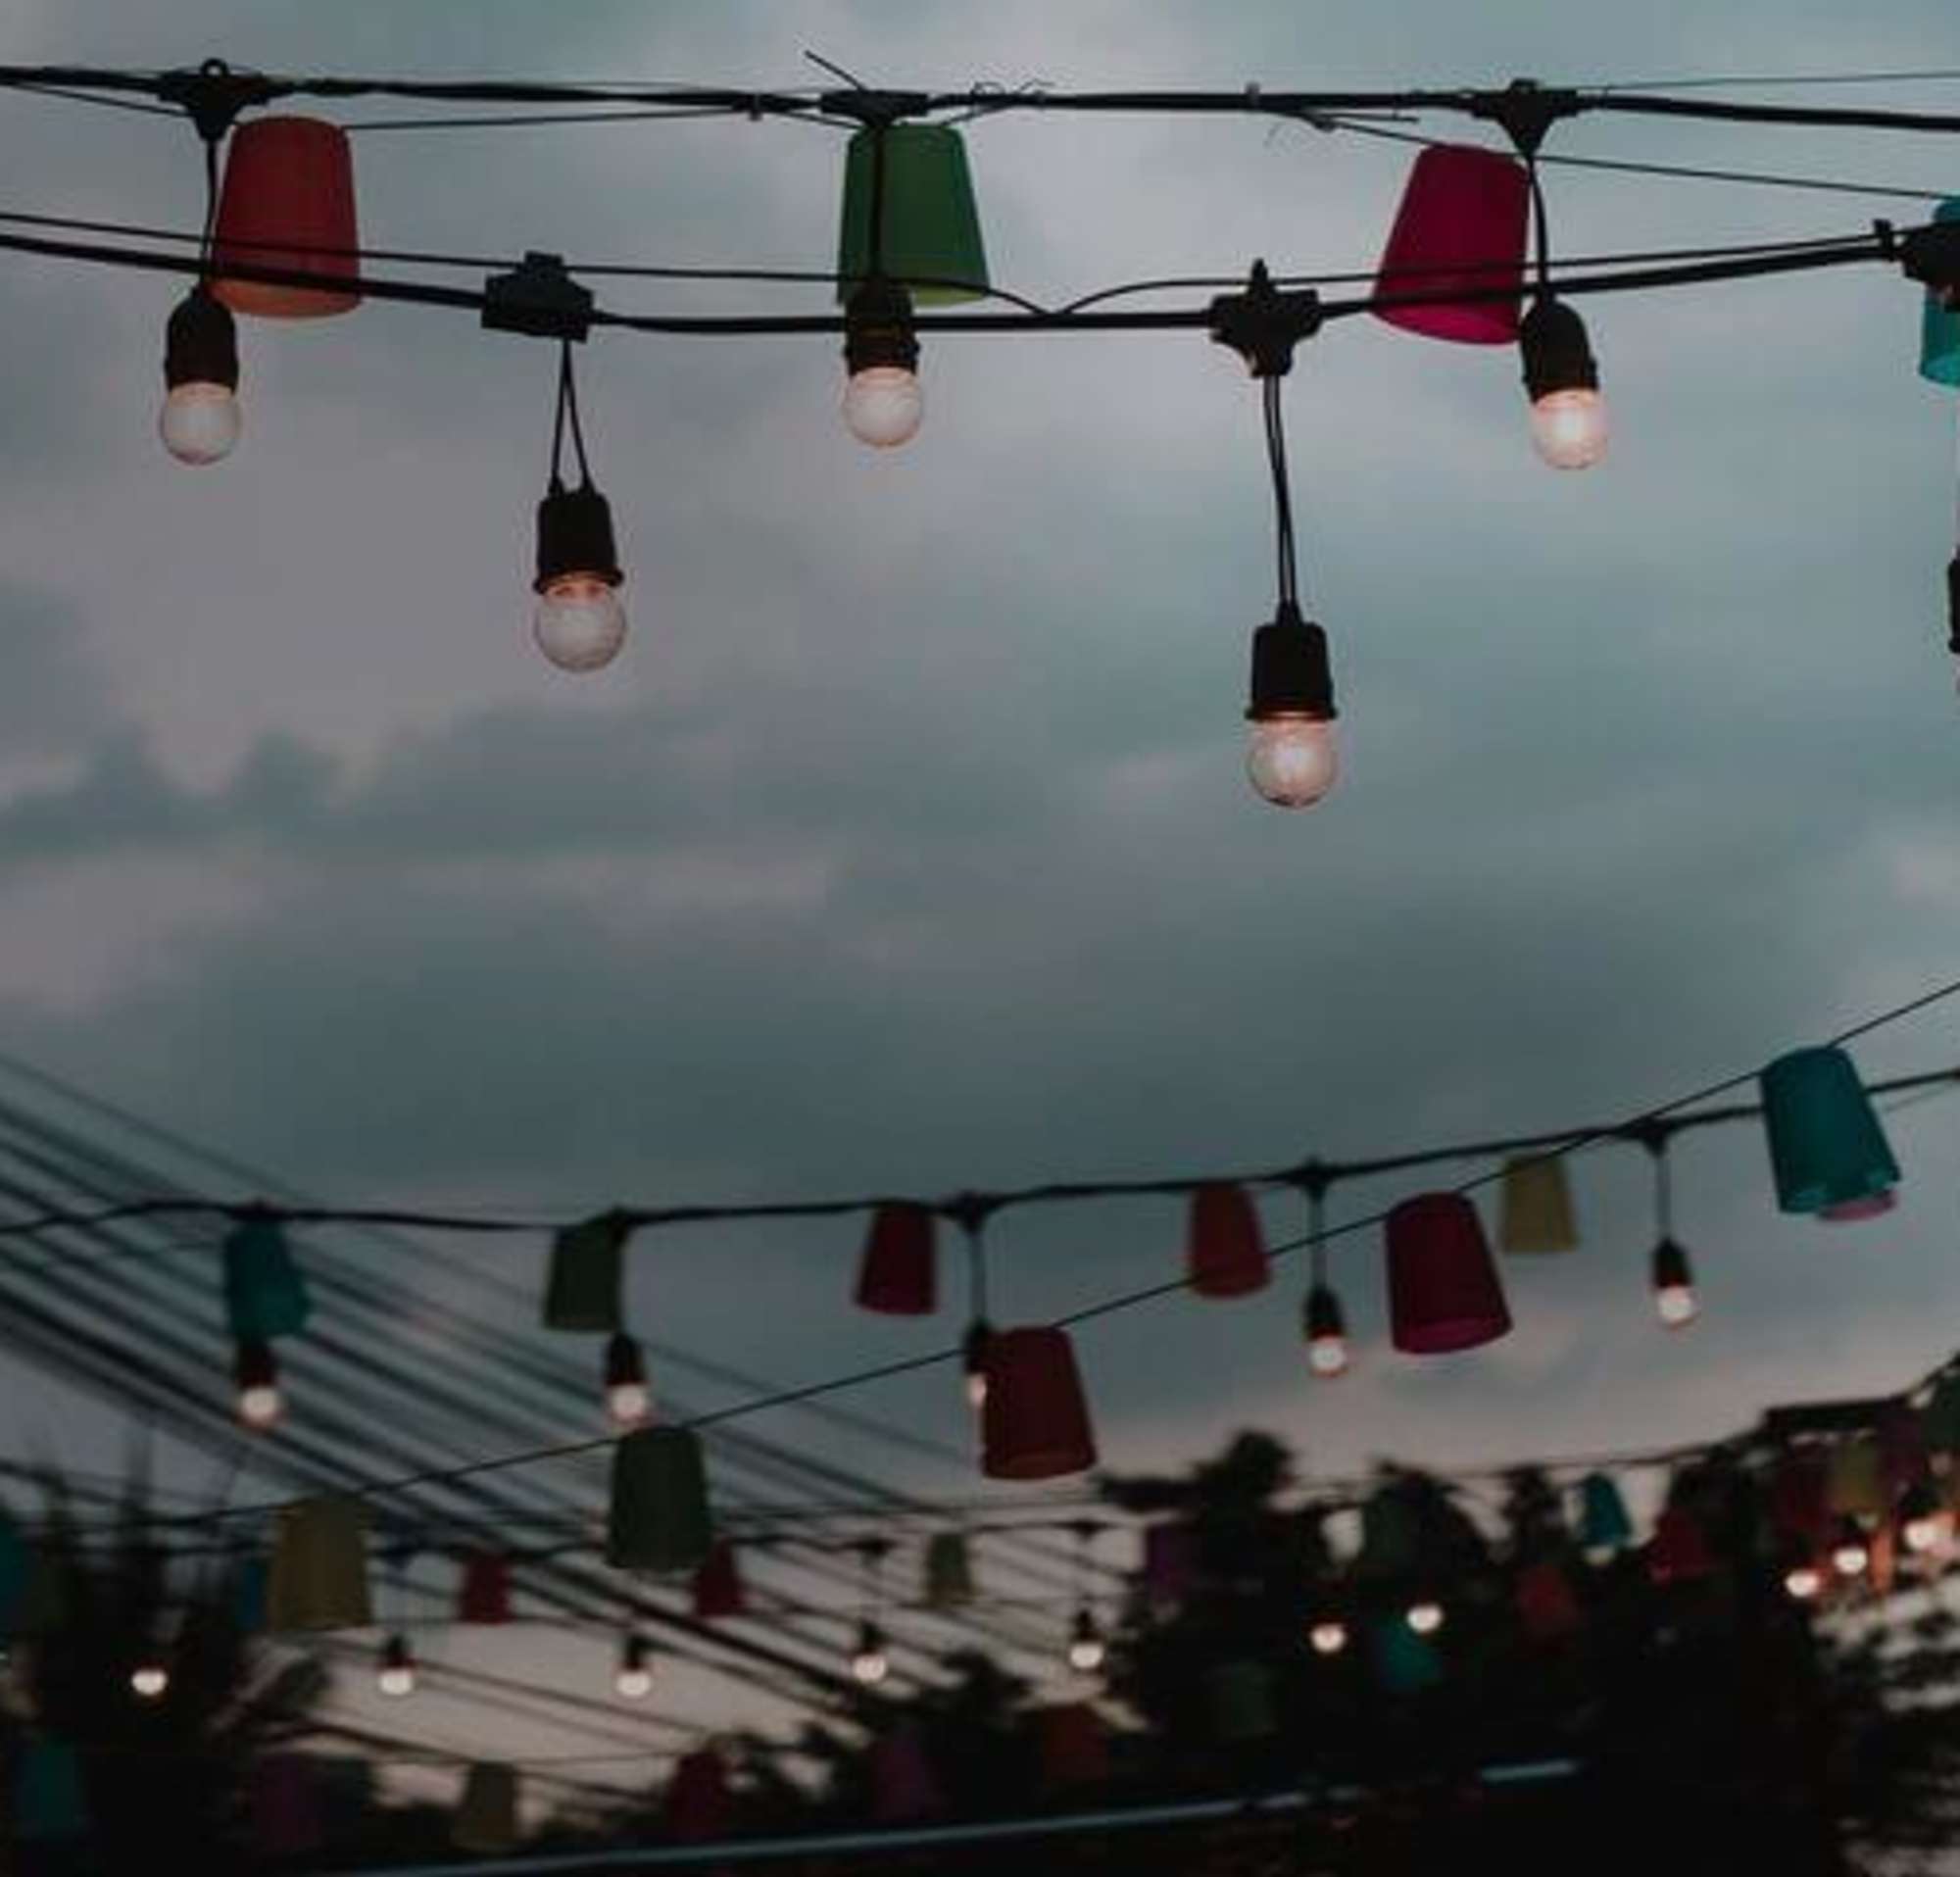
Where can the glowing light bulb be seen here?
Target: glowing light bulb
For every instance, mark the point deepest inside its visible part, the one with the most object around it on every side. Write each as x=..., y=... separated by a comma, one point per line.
x=883, y=406
x=1803, y=1582
x=261, y=1406
x=150, y=1680
x=973, y=1362
x=1676, y=1304
x=1087, y=1651
x=1292, y=761
x=870, y=1666
x=579, y=622
x=1924, y=1533
x=633, y=1684
x=629, y=1405
x=396, y=1676
x=1569, y=427
x=1851, y=1558
x=1328, y=1639
x=1425, y=1619
x=200, y=423
x=1327, y=1356
x=255, y=1370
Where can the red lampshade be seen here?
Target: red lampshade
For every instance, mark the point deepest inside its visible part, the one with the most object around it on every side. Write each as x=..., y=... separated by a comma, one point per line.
x=717, y=1585
x=903, y=1783
x=286, y=1813
x=697, y=1808
x=1224, y=1254
x=1444, y=1292
x=1461, y=227
x=484, y=1596
x=1902, y=1448
x=1678, y=1551
x=1546, y=1605
x=1796, y=1508
x=1035, y=1425
x=897, y=1276
x=1074, y=1746
x=288, y=202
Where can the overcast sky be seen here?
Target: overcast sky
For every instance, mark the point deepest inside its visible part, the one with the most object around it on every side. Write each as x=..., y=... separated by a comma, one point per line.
x=908, y=845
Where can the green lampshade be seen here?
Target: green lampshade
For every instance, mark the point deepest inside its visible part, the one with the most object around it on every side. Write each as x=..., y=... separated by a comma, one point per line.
x=1826, y=1145
x=1939, y=325
x=660, y=1516
x=265, y=1294
x=1604, y=1524
x=1239, y=1697
x=486, y=1816
x=931, y=223
x=1939, y=1418
x=50, y=1802
x=582, y=1289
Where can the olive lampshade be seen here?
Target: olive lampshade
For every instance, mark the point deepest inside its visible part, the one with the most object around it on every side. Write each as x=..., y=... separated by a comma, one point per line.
x=949, y=1572
x=1537, y=1215
x=486, y=1819
x=287, y=202
x=320, y=1567
x=582, y=1285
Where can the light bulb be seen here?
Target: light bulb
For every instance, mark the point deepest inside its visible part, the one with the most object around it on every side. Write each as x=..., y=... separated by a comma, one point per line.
x=1569, y=427
x=973, y=1362
x=150, y=1680
x=1328, y=1639
x=1425, y=1619
x=1803, y=1582
x=261, y=1406
x=396, y=1676
x=629, y=1405
x=200, y=422
x=579, y=622
x=1292, y=761
x=1676, y=1304
x=633, y=1684
x=870, y=1666
x=1851, y=1558
x=883, y=406
x=1923, y=1534
x=1327, y=1356
x=976, y=1390
x=1087, y=1655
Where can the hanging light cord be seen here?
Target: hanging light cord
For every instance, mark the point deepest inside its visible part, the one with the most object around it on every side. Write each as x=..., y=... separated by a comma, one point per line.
x=1276, y=458
x=1316, y=1232
x=567, y=418
x=1663, y=1184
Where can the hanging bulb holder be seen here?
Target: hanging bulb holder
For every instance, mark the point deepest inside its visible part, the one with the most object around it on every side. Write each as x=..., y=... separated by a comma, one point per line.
x=575, y=536
x=1929, y=255
x=1556, y=353
x=1290, y=674
x=539, y=299
x=1670, y=1268
x=878, y=329
x=201, y=343
x=1953, y=606
x=1325, y=1319
x=254, y=1365
x=214, y=96
x=625, y=1364
x=1526, y=111
x=1264, y=323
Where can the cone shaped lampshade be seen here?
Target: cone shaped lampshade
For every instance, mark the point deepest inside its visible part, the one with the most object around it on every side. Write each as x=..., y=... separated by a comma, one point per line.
x=1548, y=1606
x=903, y=1783
x=1444, y=1292
x=717, y=1585
x=1170, y=1563
x=697, y=1803
x=1902, y=1448
x=659, y=1518
x=486, y=1819
x=1224, y=1253
x=50, y=1802
x=1034, y=1423
x=1239, y=1703
x=1603, y=1524
x=1406, y=1663
x=1940, y=324
x=1826, y=1145
x=1462, y=229
x=286, y=1815
x=1796, y=1500
x=264, y=1295
x=949, y=1572
x=484, y=1595
x=1538, y=1207
x=582, y=1287
x=1939, y=1418
x=1678, y=1553
x=898, y=1273
x=1074, y=1745
x=932, y=239
x=320, y=1567
x=288, y=202
x=1391, y=1533
x=1854, y=1479
x=48, y=1602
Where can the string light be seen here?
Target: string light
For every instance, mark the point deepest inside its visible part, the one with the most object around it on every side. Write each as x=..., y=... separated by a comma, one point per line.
x=870, y=1663
x=1924, y=1525
x=199, y=423
x=150, y=1679
x=1568, y=413
x=1671, y=1275
x=1324, y=1322
x=1087, y=1651
x=1850, y=1557
x=395, y=1675
x=630, y=1403
x=578, y=621
x=1329, y=1637
x=1424, y=1617
x=883, y=405
x=633, y=1679
x=1803, y=1582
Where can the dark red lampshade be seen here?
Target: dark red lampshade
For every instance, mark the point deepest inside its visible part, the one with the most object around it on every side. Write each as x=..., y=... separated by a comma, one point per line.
x=697, y=1807
x=717, y=1585
x=1444, y=1292
x=1225, y=1255
x=1461, y=227
x=1074, y=1747
x=1547, y=1608
x=1678, y=1552
x=898, y=1275
x=288, y=202
x=1797, y=1506
x=484, y=1596
x=1035, y=1425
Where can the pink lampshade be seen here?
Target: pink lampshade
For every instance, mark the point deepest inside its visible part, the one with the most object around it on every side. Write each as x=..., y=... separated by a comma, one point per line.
x=1224, y=1254
x=287, y=202
x=697, y=1801
x=898, y=1275
x=1034, y=1423
x=1444, y=1292
x=286, y=1810
x=1462, y=229
x=717, y=1585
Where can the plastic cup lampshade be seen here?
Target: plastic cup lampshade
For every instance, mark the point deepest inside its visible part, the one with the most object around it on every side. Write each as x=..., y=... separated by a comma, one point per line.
x=287, y=204
x=1225, y=1254
x=1827, y=1147
x=1460, y=229
x=898, y=1273
x=1444, y=1293
x=1940, y=329
x=1035, y=1425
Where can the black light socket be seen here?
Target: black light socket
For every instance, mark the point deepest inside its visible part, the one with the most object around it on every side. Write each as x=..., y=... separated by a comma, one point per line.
x=396, y=1652
x=1291, y=677
x=201, y=343
x=1325, y=1319
x=1556, y=353
x=870, y=1638
x=1086, y=1629
x=1953, y=606
x=254, y=1365
x=1671, y=1269
x=625, y=1367
x=575, y=536
x=973, y=1346
x=878, y=327
x=633, y=1654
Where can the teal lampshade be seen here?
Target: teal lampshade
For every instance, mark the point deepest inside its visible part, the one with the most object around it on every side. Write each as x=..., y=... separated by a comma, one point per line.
x=1826, y=1145
x=659, y=1518
x=582, y=1289
x=1408, y=1663
x=1940, y=324
x=1604, y=1524
x=264, y=1295
x=932, y=225
x=250, y=1586
x=49, y=1802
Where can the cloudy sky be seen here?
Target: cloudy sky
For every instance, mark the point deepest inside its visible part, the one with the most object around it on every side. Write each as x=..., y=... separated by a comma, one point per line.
x=908, y=845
